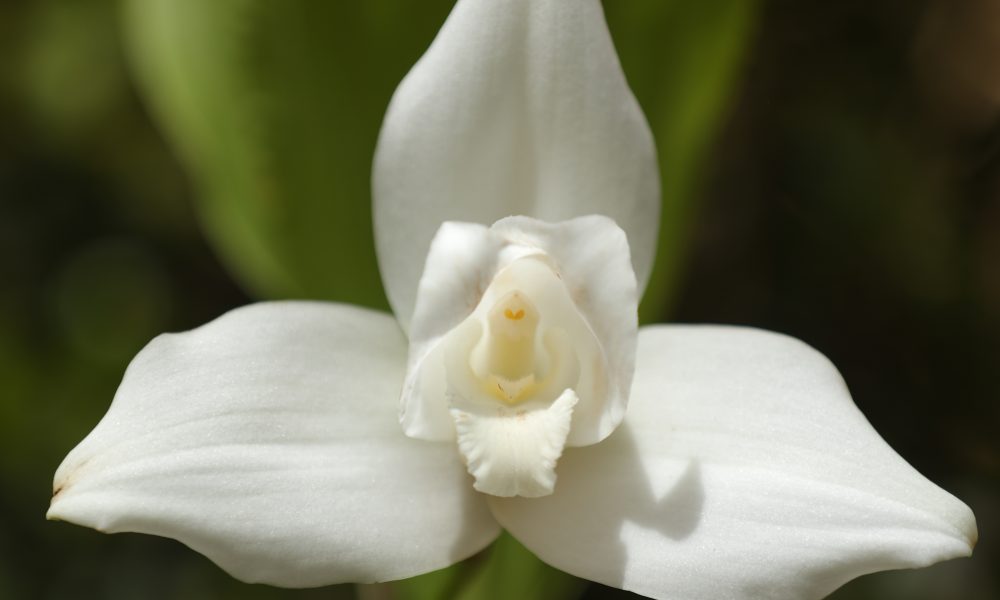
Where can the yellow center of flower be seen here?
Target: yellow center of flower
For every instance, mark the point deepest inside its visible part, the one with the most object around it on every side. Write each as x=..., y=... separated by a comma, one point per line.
x=514, y=350
x=506, y=356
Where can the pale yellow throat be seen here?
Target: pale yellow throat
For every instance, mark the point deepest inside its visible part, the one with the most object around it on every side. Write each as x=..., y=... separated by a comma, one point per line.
x=506, y=356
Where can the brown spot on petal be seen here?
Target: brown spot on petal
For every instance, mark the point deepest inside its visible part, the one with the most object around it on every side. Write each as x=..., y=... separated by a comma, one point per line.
x=67, y=481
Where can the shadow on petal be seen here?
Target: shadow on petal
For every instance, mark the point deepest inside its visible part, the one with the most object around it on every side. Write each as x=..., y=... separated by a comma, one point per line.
x=677, y=514
x=606, y=487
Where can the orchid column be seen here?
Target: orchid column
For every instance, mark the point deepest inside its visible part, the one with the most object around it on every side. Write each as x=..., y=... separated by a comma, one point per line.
x=516, y=202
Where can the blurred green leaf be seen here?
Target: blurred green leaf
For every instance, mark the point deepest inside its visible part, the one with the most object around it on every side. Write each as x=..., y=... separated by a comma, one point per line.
x=683, y=61
x=67, y=68
x=505, y=570
x=270, y=104
x=109, y=299
x=512, y=571
x=429, y=586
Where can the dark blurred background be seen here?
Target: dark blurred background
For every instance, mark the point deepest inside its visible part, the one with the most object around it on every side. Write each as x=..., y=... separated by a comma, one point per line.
x=831, y=171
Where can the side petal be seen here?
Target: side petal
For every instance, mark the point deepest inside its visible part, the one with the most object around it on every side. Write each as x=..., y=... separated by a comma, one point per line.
x=268, y=441
x=461, y=263
x=518, y=108
x=744, y=470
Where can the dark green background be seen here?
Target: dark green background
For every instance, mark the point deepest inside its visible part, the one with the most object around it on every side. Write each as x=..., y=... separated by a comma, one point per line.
x=830, y=171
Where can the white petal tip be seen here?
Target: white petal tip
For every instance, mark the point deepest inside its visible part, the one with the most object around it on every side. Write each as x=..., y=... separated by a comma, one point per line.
x=61, y=492
x=971, y=533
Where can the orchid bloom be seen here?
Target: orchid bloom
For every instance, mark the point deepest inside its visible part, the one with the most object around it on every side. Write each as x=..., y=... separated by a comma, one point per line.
x=269, y=439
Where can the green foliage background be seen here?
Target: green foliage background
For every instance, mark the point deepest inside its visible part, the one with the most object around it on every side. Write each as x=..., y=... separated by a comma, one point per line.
x=830, y=171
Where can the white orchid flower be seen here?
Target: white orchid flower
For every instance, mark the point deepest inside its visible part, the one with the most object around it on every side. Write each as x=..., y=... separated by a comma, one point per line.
x=269, y=439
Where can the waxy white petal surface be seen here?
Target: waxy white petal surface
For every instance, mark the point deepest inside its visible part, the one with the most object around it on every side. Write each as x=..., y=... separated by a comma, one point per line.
x=268, y=441
x=517, y=108
x=743, y=470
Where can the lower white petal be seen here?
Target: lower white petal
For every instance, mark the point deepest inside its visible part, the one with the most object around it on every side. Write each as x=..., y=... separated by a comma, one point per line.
x=268, y=441
x=744, y=470
x=518, y=107
x=513, y=451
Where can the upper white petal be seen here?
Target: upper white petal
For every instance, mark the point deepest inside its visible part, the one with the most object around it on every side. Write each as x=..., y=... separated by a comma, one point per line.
x=268, y=441
x=744, y=470
x=518, y=107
